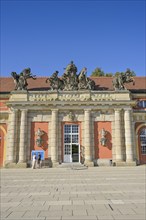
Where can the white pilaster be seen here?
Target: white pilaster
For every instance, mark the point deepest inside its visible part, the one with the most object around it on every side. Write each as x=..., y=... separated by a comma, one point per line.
x=54, y=135
x=113, y=142
x=118, y=135
x=23, y=136
x=128, y=135
x=87, y=137
x=12, y=136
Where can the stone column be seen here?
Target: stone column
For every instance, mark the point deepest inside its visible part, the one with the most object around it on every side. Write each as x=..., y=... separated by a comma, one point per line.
x=118, y=136
x=12, y=137
x=113, y=142
x=54, y=136
x=87, y=137
x=129, y=141
x=23, y=137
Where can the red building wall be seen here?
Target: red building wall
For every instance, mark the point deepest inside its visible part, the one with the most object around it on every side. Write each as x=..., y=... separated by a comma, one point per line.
x=102, y=152
x=34, y=127
x=3, y=106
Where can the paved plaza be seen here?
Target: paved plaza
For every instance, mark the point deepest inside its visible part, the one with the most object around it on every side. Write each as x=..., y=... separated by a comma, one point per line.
x=73, y=193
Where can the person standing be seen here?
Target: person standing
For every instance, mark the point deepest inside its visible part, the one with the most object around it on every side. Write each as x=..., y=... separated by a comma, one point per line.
x=39, y=160
x=34, y=161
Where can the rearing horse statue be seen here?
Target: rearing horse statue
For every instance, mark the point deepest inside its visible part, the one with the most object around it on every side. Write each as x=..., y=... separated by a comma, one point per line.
x=120, y=80
x=20, y=80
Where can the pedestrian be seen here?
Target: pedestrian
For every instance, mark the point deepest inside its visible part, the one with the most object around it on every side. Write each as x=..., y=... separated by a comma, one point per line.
x=39, y=160
x=34, y=161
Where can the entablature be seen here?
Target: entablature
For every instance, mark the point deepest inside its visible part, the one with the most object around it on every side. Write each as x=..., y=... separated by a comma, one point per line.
x=71, y=98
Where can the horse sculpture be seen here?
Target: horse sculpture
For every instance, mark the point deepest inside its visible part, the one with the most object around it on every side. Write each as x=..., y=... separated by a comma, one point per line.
x=55, y=82
x=120, y=80
x=20, y=80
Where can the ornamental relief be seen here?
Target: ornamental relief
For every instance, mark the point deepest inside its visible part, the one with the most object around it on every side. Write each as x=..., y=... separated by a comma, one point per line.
x=70, y=97
x=97, y=97
x=42, y=97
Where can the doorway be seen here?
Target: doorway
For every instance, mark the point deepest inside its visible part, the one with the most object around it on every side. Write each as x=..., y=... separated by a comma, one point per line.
x=71, y=143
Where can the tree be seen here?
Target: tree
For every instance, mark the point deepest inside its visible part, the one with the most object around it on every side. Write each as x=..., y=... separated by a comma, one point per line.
x=117, y=74
x=98, y=72
x=132, y=73
x=108, y=74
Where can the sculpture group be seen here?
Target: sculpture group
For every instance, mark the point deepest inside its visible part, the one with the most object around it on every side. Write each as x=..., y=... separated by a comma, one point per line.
x=70, y=80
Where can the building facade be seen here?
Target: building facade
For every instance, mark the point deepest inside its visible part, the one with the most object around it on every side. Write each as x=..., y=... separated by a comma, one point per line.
x=99, y=127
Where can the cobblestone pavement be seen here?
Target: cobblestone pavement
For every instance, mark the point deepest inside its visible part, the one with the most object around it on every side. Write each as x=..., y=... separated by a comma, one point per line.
x=102, y=193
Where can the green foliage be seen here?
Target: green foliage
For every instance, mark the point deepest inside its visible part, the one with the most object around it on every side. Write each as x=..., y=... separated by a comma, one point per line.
x=108, y=74
x=99, y=73
x=117, y=73
x=132, y=73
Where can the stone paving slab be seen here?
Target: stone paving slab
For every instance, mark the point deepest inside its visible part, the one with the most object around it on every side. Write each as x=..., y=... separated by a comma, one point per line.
x=97, y=193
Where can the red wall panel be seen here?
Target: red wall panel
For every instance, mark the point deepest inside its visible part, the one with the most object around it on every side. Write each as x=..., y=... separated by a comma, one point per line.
x=102, y=151
x=34, y=127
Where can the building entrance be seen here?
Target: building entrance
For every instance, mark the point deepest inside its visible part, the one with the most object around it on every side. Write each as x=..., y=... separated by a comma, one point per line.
x=71, y=143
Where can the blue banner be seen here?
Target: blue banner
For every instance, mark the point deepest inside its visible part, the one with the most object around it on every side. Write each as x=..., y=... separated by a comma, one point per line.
x=42, y=153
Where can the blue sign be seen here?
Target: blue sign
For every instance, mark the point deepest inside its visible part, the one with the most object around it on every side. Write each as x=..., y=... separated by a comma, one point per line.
x=36, y=153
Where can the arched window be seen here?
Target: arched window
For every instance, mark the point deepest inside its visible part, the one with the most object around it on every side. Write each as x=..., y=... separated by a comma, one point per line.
x=143, y=140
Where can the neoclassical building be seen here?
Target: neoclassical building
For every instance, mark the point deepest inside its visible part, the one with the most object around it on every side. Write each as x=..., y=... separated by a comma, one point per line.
x=97, y=126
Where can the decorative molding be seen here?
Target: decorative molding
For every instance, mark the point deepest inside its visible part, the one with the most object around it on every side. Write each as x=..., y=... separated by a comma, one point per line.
x=71, y=116
x=97, y=97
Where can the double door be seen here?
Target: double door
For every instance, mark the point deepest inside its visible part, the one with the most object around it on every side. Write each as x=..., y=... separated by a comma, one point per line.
x=71, y=143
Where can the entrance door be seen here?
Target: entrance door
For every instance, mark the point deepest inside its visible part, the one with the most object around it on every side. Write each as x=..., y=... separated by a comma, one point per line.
x=71, y=143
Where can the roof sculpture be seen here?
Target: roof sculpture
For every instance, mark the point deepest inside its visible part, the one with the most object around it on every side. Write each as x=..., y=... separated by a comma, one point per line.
x=70, y=80
x=20, y=80
x=120, y=80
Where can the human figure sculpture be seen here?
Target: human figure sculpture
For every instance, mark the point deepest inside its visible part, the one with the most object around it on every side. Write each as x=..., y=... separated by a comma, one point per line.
x=84, y=81
x=103, y=138
x=39, y=134
x=71, y=68
x=70, y=78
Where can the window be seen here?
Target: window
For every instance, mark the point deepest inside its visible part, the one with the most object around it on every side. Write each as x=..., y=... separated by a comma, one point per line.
x=142, y=104
x=71, y=134
x=143, y=141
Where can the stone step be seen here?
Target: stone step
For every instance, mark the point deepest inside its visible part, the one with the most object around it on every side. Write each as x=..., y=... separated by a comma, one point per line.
x=74, y=166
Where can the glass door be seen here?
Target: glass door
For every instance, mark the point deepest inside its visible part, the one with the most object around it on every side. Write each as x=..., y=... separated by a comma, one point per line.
x=71, y=143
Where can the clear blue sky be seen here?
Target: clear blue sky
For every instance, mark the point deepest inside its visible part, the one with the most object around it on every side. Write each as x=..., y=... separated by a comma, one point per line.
x=47, y=35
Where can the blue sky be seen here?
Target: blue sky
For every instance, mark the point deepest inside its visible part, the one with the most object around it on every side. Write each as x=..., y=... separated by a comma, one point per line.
x=47, y=35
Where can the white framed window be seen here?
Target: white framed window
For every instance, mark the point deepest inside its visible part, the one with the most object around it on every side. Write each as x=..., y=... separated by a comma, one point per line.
x=143, y=140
